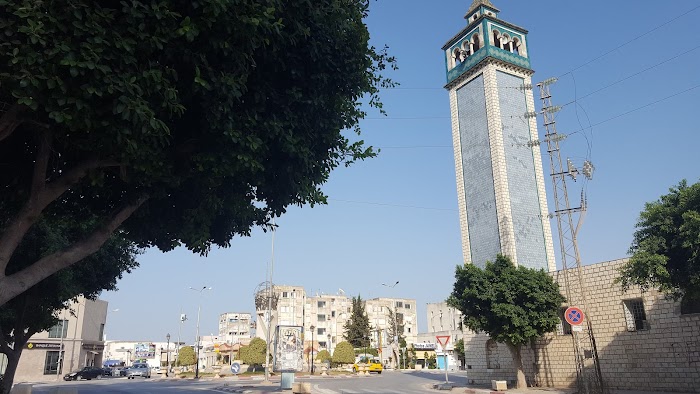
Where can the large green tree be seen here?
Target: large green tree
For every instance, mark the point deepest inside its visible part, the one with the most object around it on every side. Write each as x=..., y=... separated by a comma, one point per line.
x=37, y=309
x=513, y=305
x=181, y=122
x=666, y=246
x=357, y=327
x=186, y=356
x=254, y=353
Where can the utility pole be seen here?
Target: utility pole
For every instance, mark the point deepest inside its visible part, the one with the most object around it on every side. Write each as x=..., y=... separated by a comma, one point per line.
x=589, y=380
x=269, y=307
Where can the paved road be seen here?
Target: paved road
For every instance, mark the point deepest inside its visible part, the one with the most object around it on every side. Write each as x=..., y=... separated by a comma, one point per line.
x=389, y=382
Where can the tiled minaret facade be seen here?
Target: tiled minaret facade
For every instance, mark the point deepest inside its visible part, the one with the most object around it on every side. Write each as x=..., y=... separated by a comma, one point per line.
x=500, y=185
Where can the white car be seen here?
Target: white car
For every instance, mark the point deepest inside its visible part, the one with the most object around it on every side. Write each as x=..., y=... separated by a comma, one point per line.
x=142, y=370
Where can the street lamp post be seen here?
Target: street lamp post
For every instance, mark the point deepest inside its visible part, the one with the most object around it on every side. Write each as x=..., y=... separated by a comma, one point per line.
x=197, y=341
x=396, y=331
x=313, y=328
x=167, y=356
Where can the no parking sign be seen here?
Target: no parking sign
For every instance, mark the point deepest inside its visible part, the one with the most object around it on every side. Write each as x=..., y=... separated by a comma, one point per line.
x=574, y=316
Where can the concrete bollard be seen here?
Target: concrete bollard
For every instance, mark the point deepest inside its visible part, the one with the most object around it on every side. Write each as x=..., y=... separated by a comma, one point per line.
x=499, y=385
x=301, y=388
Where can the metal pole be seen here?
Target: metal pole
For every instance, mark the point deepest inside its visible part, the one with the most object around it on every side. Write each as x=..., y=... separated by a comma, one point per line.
x=167, y=356
x=269, y=307
x=177, y=346
x=197, y=340
x=199, y=308
x=312, y=350
x=60, y=349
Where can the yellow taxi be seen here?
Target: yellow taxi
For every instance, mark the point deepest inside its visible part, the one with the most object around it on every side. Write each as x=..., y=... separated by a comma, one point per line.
x=367, y=364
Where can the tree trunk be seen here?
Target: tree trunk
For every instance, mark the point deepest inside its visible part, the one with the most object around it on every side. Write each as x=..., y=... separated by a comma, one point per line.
x=10, y=370
x=518, y=362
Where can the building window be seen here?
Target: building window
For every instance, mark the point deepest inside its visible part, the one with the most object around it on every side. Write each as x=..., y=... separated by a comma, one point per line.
x=285, y=294
x=563, y=328
x=60, y=330
x=332, y=313
x=409, y=329
x=407, y=306
x=321, y=331
x=635, y=316
x=399, y=304
x=51, y=363
x=321, y=304
x=322, y=345
x=321, y=317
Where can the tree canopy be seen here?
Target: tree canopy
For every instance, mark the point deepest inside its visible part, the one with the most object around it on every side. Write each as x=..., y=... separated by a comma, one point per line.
x=513, y=305
x=344, y=353
x=666, y=246
x=182, y=123
x=357, y=327
x=186, y=356
x=254, y=353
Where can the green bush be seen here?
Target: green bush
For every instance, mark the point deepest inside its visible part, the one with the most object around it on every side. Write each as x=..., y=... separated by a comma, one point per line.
x=186, y=356
x=323, y=356
x=343, y=353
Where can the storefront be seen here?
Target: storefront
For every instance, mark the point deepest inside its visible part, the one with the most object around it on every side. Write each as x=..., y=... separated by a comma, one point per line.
x=73, y=343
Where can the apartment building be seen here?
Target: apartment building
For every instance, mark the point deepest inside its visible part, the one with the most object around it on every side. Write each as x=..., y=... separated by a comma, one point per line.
x=235, y=327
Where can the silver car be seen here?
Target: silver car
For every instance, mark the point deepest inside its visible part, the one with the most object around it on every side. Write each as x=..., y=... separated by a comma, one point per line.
x=135, y=370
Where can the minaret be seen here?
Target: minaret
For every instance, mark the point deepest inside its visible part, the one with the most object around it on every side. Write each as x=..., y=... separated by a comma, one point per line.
x=500, y=186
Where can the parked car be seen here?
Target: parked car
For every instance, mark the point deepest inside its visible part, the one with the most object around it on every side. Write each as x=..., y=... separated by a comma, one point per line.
x=107, y=371
x=86, y=373
x=142, y=370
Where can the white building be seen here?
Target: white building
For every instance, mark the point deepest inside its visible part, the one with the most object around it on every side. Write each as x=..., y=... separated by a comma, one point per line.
x=155, y=354
x=328, y=314
x=235, y=326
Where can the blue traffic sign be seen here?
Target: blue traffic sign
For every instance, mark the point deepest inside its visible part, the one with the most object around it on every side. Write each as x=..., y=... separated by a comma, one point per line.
x=235, y=368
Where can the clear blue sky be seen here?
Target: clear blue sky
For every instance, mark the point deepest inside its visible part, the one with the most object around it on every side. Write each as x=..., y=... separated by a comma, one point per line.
x=395, y=217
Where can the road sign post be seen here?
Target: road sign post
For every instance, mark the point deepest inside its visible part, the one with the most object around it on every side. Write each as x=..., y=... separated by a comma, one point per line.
x=235, y=368
x=443, y=340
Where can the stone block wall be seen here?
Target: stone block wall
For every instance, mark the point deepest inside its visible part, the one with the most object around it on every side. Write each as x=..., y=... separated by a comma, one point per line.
x=661, y=353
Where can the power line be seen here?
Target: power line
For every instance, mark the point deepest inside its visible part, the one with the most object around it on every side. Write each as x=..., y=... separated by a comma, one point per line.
x=630, y=41
x=632, y=75
x=638, y=108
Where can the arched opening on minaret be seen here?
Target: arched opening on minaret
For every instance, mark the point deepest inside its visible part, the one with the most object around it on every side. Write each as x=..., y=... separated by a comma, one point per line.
x=505, y=40
x=476, y=43
x=457, y=56
x=466, y=49
x=496, y=39
x=516, y=46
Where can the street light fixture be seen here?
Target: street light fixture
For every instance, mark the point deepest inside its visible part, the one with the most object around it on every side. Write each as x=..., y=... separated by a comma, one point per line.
x=167, y=356
x=197, y=341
